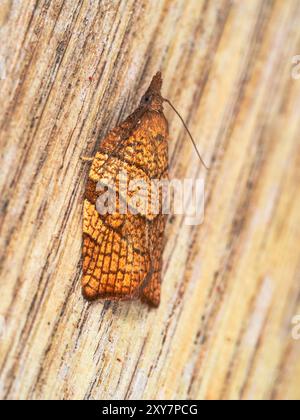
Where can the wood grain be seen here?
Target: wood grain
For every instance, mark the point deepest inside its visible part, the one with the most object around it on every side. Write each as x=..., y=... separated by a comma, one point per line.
x=70, y=71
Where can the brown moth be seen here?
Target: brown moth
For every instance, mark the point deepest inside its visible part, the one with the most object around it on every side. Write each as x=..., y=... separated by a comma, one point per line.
x=122, y=251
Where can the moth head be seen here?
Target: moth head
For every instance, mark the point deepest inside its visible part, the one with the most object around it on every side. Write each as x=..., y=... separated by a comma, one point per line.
x=152, y=99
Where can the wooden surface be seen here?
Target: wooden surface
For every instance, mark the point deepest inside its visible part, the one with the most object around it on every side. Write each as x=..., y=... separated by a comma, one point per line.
x=70, y=70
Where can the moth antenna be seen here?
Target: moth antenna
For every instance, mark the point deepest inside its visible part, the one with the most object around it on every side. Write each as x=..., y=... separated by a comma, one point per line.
x=188, y=131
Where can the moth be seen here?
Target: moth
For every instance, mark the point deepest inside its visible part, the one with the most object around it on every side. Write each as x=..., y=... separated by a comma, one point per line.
x=122, y=251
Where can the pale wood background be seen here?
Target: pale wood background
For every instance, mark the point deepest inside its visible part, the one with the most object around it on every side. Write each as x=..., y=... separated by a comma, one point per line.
x=70, y=70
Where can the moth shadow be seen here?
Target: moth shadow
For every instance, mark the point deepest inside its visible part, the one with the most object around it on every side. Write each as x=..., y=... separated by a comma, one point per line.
x=126, y=310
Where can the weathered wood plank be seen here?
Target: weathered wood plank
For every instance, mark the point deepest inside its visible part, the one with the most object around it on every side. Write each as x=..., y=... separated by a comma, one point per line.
x=70, y=70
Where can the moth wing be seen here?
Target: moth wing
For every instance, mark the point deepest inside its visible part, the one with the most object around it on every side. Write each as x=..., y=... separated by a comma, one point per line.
x=117, y=248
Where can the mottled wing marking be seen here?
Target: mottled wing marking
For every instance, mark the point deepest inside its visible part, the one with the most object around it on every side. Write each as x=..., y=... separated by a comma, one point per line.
x=150, y=290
